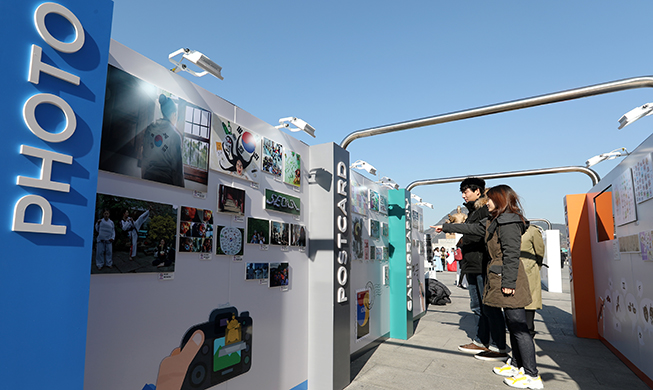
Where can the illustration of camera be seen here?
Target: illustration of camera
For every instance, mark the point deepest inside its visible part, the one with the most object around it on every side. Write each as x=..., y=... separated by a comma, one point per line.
x=226, y=352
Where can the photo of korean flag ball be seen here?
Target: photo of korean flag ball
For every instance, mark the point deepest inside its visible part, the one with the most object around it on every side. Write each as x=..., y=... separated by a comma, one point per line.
x=235, y=151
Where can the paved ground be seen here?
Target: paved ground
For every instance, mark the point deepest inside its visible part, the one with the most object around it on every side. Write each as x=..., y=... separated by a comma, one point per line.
x=431, y=360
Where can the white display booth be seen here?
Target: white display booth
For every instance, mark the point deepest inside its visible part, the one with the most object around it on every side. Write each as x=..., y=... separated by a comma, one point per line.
x=418, y=257
x=369, y=270
x=138, y=314
x=622, y=258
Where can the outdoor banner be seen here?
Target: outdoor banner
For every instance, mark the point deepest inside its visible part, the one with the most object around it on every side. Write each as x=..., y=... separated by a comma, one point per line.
x=54, y=83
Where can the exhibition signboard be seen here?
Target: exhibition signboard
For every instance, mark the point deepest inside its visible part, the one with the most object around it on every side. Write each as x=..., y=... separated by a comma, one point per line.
x=54, y=83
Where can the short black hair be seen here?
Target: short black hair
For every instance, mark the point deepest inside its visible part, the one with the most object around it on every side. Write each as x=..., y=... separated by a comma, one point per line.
x=473, y=183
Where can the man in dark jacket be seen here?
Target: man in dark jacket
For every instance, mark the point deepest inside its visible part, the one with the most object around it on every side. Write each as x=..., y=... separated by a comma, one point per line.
x=473, y=265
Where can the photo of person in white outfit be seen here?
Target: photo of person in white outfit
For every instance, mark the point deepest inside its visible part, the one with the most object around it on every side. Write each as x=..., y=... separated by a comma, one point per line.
x=106, y=234
x=132, y=227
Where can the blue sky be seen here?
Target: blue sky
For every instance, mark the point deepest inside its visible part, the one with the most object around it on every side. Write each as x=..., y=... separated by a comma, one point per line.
x=344, y=66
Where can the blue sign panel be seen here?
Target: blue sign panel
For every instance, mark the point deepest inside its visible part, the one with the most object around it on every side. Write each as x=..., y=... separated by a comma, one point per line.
x=53, y=81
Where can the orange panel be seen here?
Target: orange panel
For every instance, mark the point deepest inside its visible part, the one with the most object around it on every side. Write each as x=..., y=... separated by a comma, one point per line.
x=604, y=218
x=583, y=300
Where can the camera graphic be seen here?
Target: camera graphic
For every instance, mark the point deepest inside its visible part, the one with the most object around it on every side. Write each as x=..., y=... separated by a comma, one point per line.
x=226, y=352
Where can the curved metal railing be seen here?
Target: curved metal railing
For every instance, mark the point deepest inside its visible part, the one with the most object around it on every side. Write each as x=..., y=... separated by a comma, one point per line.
x=571, y=94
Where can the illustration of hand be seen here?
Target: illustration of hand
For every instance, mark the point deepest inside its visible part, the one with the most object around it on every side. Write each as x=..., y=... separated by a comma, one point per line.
x=173, y=368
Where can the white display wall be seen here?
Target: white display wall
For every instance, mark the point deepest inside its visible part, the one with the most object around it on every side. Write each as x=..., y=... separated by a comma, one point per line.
x=623, y=267
x=369, y=287
x=137, y=319
x=418, y=261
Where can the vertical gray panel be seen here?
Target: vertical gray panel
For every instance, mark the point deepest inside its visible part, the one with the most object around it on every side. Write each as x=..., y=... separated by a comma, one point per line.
x=329, y=269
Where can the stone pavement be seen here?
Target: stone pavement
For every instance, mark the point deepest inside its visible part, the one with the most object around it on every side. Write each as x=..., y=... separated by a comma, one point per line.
x=431, y=360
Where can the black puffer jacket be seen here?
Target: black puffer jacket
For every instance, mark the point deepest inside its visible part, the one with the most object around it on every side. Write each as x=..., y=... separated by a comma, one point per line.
x=475, y=256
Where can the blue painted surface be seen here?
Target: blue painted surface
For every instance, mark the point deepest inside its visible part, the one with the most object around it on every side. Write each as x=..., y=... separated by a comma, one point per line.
x=301, y=386
x=401, y=319
x=44, y=278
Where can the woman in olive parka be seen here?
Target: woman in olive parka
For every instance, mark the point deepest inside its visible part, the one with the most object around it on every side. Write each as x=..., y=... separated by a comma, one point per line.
x=507, y=284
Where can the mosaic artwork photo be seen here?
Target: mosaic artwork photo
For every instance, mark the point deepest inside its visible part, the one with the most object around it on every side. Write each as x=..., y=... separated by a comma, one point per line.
x=230, y=241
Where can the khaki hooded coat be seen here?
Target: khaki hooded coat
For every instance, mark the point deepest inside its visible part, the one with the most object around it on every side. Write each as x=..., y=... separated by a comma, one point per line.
x=503, y=238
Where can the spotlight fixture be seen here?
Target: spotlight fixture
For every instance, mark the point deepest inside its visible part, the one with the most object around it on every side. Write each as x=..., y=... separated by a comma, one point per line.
x=197, y=58
x=364, y=165
x=417, y=198
x=389, y=183
x=619, y=152
x=300, y=125
x=634, y=114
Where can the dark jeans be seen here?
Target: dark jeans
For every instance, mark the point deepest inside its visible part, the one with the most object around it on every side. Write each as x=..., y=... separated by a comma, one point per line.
x=523, y=349
x=489, y=320
x=497, y=326
x=530, y=321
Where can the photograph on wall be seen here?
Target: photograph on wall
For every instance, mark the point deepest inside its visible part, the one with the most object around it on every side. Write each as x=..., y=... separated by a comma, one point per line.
x=133, y=236
x=385, y=229
x=366, y=249
x=279, y=274
x=235, y=151
x=231, y=200
x=229, y=241
x=643, y=179
x=372, y=252
x=195, y=230
x=379, y=253
x=151, y=134
x=258, y=231
x=421, y=221
x=279, y=233
x=362, y=313
x=383, y=204
x=624, y=199
x=272, y=158
x=415, y=219
x=193, y=244
x=256, y=271
x=386, y=253
x=292, y=168
x=374, y=200
x=646, y=245
x=193, y=214
x=375, y=229
x=297, y=235
x=358, y=194
x=283, y=203
x=357, y=237
x=629, y=244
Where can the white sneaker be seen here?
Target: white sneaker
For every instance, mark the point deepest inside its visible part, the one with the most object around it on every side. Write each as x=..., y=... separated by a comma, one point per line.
x=508, y=370
x=523, y=381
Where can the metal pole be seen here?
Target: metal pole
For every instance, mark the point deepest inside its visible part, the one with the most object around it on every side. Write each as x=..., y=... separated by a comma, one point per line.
x=530, y=172
x=571, y=94
x=548, y=223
